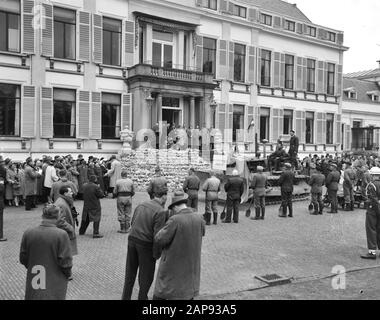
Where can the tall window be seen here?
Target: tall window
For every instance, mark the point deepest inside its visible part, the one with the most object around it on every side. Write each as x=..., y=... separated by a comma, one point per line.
x=210, y=4
x=162, y=49
x=310, y=75
x=10, y=29
x=331, y=36
x=309, y=127
x=266, y=57
x=9, y=110
x=238, y=120
x=64, y=113
x=264, y=123
x=330, y=78
x=329, y=128
x=64, y=33
x=111, y=121
x=289, y=71
x=288, y=121
x=111, y=42
x=239, y=11
x=239, y=63
x=310, y=31
x=266, y=19
x=209, y=55
x=290, y=25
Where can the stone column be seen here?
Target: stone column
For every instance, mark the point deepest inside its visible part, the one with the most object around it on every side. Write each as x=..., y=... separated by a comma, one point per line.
x=207, y=113
x=202, y=112
x=192, y=112
x=148, y=58
x=159, y=107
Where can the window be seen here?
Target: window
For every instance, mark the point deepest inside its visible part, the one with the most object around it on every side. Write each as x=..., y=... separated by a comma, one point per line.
x=290, y=25
x=210, y=4
x=375, y=98
x=311, y=31
x=239, y=63
x=266, y=57
x=309, y=127
x=10, y=110
x=288, y=121
x=239, y=11
x=357, y=124
x=64, y=33
x=162, y=49
x=330, y=78
x=329, y=128
x=111, y=42
x=351, y=95
x=264, y=123
x=238, y=120
x=266, y=19
x=289, y=72
x=64, y=113
x=111, y=123
x=10, y=29
x=310, y=75
x=209, y=55
x=331, y=36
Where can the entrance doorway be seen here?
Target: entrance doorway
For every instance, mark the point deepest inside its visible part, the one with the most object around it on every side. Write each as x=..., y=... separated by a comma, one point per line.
x=171, y=116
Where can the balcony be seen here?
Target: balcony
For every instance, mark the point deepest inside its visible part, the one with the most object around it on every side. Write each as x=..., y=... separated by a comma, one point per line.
x=148, y=72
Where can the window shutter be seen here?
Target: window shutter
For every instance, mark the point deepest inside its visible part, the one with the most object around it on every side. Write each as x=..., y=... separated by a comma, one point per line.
x=299, y=73
x=46, y=112
x=129, y=42
x=28, y=113
x=301, y=125
x=277, y=22
x=231, y=47
x=223, y=5
x=230, y=7
x=228, y=131
x=280, y=123
x=251, y=64
x=274, y=124
x=325, y=77
x=299, y=28
x=222, y=68
x=304, y=82
x=321, y=128
x=257, y=119
x=97, y=38
x=347, y=140
x=282, y=71
x=83, y=115
x=320, y=77
x=96, y=115
x=84, y=36
x=338, y=129
x=48, y=31
x=252, y=14
x=126, y=111
x=249, y=115
x=340, y=38
x=322, y=34
x=259, y=66
x=276, y=72
x=221, y=114
x=199, y=52
x=28, y=27
x=339, y=79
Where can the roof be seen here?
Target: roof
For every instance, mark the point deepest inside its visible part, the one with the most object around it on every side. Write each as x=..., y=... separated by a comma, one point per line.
x=363, y=74
x=281, y=7
x=362, y=89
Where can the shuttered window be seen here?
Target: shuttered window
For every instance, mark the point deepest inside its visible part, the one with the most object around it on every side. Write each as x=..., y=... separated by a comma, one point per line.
x=264, y=123
x=331, y=79
x=289, y=72
x=310, y=84
x=266, y=19
x=329, y=128
x=310, y=127
x=288, y=121
x=64, y=113
x=10, y=98
x=239, y=62
x=209, y=55
x=238, y=121
x=64, y=33
x=10, y=26
x=111, y=116
x=266, y=60
x=310, y=31
x=289, y=25
x=112, y=41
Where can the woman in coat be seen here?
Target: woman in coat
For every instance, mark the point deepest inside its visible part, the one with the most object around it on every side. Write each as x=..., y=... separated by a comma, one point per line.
x=82, y=178
x=11, y=180
x=31, y=175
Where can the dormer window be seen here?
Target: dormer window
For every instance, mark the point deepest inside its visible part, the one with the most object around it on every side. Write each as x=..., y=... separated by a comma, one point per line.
x=239, y=11
x=351, y=95
x=374, y=95
x=209, y=4
x=266, y=19
x=310, y=31
x=290, y=25
x=331, y=36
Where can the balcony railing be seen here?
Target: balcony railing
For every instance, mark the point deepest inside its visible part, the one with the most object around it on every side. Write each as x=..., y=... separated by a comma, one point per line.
x=168, y=73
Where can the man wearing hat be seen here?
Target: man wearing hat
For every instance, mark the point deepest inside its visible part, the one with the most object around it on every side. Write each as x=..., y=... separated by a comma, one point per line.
x=348, y=187
x=180, y=239
x=286, y=182
x=317, y=181
x=234, y=189
x=191, y=187
x=158, y=183
x=332, y=185
x=2, y=191
x=114, y=173
x=259, y=185
x=31, y=175
x=372, y=221
x=45, y=252
x=293, y=149
x=148, y=218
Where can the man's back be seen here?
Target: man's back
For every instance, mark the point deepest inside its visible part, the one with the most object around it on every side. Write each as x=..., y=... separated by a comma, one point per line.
x=317, y=180
x=235, y=187
x=287, y=181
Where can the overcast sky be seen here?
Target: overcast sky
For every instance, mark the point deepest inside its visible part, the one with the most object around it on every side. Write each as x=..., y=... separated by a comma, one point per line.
x=360, y=21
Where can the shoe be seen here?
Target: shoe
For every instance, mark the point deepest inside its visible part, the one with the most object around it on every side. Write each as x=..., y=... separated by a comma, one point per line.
x=290, y=216
x=208, y=223
x=282, y=215
x=255, y=218
x=321, y=213
x=368, y=256
x=97, y=236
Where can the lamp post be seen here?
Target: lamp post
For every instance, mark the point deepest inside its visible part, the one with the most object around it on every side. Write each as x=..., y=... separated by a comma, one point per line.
x=149, y=102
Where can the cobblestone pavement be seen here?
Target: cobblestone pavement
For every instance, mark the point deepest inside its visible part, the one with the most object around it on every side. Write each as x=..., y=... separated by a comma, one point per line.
x=232, y=254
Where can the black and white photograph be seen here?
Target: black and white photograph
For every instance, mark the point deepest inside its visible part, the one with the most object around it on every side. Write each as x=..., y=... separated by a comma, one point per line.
x=206, y=151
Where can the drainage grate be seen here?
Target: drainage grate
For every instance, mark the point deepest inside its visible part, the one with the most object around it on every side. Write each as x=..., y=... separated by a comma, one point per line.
x=273, y=279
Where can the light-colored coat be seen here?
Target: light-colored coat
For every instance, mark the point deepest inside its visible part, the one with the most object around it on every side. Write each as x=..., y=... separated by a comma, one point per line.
x=212, y=188
x=30, y=181
x=114, y=173
x=50, y=176
x=179, y=271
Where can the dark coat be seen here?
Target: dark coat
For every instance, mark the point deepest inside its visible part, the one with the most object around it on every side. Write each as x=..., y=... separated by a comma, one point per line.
x=179, y=271
x=234, y=188
x=49, y=247
x=191, y=186
x=332, y=181
x=286, y=181
x=83, y=177
x=91, y=205
x=157, y=184
x=294, y=145
x=259, y=184
x=316, y=182
x=99, y=174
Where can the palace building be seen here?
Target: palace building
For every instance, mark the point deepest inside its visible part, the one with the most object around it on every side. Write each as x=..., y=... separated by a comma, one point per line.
x=74, y=73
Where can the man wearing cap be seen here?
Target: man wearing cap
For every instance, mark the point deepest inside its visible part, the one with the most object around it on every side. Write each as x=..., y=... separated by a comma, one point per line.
x=332, y=185
x=148, y=218
x=158, y=183
x=45, y=252
x=212, y=188
x=348, y=187
x=191, y=187
x=2, y=191
x=234, y=189
x=317, y=181
x=259, y=185
x=286, y=182
x=178, y=276
x=293, y=149
x=30, y=183
x=372, y=221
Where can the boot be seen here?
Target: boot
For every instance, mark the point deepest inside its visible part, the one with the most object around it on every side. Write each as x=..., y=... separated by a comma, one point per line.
x=352, y=205
x=347, y=207
x=96, y=234
x=262, y=213
x=283, y=215
x=290, y=211
x=123, y=227
x=257, y=214
x=215, y=216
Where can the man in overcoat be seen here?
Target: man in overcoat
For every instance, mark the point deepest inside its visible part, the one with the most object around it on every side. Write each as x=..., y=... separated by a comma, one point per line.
x=45, y=252
x=259, y=184
x=212, y=188
x=92, y=209
x=191, y=186
x=114, y=173
x=31, y=175
x=234, y=189
x=158, y=183
x=332, y=185
x=317, y=181
x=178, y=276
x=286, y=182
